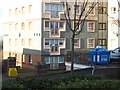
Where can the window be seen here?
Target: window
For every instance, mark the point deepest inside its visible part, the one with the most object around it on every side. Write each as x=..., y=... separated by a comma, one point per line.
x=91, y=27
x=10, y=26
x=16, y=42
x=47, y=6
x=102, y=42
x=47, y=60
x=90, y=42
x=54, y=31
x=23, y=10
x=55, y=7
x=46, y=42
x=61, y=42
x=47, y=24
x=54, y=42
x=77, y=43
x=61, y=59
x=23, y=25
x=29, y=42
x=10, y=12
x=102, y=10
x=30, y=8
x=29, y=25
x=23, y=58
x=76, y=7
x=113, y=10
x=16, y=26
x=10, y=42
x=102, y=26
x=30, y=58
x=22, y=42
x=16, y=11
x=61, y=24
x=93, y=10
x=54, y=48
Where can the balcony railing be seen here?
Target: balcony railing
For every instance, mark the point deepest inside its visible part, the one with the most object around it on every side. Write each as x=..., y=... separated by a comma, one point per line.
x=54, y=32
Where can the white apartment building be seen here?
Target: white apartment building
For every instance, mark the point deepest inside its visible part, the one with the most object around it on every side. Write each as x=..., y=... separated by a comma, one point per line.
x=22, y=25
x=113, y=29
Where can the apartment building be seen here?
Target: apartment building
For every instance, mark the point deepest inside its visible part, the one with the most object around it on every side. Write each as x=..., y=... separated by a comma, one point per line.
x=37, y=31
x=113, y=28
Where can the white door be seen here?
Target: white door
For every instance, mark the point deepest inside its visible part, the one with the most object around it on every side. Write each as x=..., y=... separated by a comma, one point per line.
x=54, y=63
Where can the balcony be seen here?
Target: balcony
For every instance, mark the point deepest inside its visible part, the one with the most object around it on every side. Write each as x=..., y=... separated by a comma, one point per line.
x=55, y=32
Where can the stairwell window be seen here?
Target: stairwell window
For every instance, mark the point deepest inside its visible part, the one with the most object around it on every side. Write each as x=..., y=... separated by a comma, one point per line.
x=102, y=26
x=102, y=10
x=102, y=42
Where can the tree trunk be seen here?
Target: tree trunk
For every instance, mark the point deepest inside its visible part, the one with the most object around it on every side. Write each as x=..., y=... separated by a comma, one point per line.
x=72, y=54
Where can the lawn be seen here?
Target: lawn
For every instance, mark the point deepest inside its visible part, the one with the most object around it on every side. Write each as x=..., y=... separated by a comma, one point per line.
x=25, y=71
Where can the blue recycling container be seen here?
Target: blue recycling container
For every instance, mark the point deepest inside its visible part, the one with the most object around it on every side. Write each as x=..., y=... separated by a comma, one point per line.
x=98, y=55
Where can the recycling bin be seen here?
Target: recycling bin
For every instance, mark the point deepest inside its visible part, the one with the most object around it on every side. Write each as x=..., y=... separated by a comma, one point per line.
x=98, y=55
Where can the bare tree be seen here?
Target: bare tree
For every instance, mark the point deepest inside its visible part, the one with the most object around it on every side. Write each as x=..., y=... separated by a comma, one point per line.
x=80, y=14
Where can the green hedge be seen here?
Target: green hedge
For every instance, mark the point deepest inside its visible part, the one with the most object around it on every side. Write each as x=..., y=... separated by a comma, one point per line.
x=67, y=82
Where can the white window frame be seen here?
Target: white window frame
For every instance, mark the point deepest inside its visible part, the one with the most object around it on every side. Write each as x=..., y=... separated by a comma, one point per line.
x=90, y=43
x=23, y=58
x=89, y=28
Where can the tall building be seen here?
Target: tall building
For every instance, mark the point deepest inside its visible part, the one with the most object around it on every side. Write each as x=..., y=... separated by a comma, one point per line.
x=37, y=31
x=113, y=28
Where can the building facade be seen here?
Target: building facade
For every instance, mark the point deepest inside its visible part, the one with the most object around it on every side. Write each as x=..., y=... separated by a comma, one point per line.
x=113, y=27
x=37, y=31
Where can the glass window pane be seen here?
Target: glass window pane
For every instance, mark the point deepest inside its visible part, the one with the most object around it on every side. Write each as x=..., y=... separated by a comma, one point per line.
x=46, y=23
x=52, y=25
x=47, y=60
x=61, y=59
x=61, y=24
x=47, y=6
x=46, y=42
